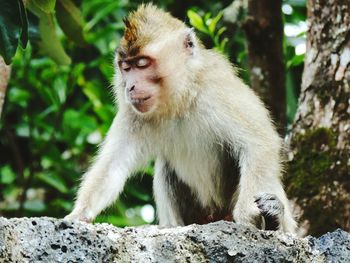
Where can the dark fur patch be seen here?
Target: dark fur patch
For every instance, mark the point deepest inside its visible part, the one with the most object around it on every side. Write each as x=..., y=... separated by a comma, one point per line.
x=190, y=209
x=230, y=176
x=184, y=199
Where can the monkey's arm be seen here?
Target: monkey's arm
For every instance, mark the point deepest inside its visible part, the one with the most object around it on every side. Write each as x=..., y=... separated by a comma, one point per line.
x=259, y=173
x=246, y=127
x=117, y=159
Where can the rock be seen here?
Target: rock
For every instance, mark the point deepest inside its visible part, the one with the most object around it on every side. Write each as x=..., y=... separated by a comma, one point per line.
x=55, y=240
x=334, y=246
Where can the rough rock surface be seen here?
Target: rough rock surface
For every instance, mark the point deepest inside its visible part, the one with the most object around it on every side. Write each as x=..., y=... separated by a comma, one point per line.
x=55, y=240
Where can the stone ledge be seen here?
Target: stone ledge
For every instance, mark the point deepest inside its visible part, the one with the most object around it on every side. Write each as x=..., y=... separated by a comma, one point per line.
x=55, y=240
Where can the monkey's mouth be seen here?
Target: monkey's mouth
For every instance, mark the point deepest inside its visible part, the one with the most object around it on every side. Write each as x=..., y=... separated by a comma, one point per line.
x=136, y=101
x=142, y=104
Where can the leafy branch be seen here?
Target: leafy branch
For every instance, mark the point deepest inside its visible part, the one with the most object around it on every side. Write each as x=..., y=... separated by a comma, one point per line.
x=208, y=26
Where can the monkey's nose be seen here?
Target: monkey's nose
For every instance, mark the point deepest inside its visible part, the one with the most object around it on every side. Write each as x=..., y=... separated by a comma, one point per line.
x=131, y=88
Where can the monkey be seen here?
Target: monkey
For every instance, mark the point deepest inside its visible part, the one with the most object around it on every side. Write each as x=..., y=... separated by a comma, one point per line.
x=217, y=153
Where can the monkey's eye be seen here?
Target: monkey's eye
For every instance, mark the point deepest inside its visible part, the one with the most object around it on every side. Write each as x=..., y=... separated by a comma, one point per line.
x=143, y=62
x=125, y=66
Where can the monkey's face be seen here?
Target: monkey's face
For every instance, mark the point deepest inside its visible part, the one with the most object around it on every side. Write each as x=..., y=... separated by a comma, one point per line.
x=142, y=83
x=154, y=77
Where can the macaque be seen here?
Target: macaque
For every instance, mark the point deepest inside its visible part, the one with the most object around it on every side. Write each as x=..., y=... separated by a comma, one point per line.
x=217, y=154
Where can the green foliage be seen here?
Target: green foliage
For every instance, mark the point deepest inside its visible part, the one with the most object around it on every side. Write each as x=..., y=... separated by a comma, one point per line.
x=208, y=26
x=14, y=25
x=50, y=42
x=13, y=28
x=7, y=175
x=46, y=6
x=71, y=21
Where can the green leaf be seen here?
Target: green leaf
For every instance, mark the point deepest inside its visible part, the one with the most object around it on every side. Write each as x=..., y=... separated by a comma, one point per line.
x=223, y=44
x=50, y=43
x=53, y=180
x=93, y=93
x=24, y=21
x=295, y=61
x=7, y=176
x=19, y=96
x=77, y=125
x=102, y=12
x=207, y=16
x=196, y=21
x=213, y=22
x=220, y=31
x=47, y=6
x=149, y=170
x=71, y=21
x=13, y=27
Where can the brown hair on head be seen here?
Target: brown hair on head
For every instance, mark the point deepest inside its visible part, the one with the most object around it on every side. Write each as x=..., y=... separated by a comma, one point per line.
x=130, y=30
x=145, y=24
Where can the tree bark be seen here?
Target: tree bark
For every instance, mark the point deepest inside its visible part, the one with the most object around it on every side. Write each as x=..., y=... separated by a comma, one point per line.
x=264, y=30
x=319, y=174
x=5, y=72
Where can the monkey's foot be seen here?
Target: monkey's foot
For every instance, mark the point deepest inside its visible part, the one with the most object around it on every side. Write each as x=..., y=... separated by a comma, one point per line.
x=75, y=217
x=271, y=210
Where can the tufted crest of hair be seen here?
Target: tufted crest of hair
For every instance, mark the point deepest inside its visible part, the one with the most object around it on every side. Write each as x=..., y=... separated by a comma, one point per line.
x=146, y=24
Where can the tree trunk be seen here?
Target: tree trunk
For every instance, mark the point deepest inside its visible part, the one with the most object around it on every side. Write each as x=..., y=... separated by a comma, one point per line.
x=319, y=175
x=5, y=72
x=264, y=30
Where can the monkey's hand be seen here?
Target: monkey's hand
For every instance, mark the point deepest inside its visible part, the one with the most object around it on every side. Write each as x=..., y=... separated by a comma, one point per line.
x=78, y=216
x=271, y=209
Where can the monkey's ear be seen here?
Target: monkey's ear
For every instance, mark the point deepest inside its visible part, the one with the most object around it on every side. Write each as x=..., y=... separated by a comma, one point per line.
x=190, y=41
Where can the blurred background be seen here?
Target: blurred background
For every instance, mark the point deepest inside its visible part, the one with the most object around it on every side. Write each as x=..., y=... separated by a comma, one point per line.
x=59, y=102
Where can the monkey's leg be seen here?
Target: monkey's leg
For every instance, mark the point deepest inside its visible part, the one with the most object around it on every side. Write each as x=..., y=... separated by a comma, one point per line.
x=106, y=178
x=271, y=210
x=165, y=196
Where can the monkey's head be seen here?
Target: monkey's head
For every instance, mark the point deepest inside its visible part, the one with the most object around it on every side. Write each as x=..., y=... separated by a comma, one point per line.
x=156, y=59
